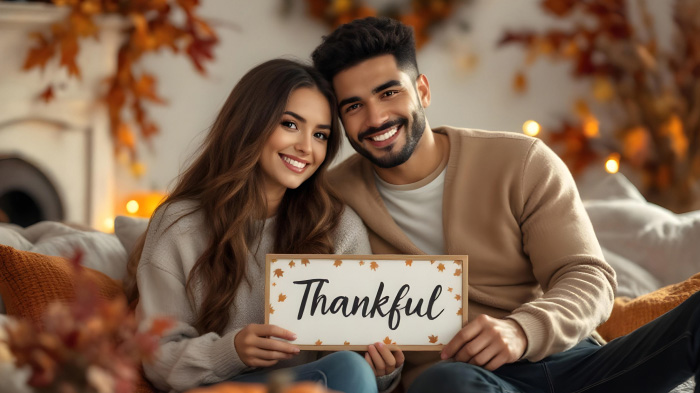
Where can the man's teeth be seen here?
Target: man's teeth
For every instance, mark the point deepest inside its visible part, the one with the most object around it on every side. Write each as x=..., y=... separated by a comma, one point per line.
x=293, y=162
x=385, y=135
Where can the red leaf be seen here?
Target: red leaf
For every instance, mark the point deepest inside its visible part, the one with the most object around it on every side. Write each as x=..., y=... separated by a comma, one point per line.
x=47, y=95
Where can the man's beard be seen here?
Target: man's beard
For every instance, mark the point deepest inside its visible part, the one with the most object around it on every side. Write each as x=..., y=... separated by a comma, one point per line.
x=413, y=135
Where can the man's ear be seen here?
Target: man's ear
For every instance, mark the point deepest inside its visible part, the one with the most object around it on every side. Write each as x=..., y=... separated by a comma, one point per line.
x=423, y=89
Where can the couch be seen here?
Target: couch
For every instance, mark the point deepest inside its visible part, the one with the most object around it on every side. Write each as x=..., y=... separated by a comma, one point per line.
x=654, y=252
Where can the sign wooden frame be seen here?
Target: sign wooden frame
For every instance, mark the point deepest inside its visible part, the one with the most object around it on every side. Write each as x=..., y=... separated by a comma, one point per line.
x=275, y=273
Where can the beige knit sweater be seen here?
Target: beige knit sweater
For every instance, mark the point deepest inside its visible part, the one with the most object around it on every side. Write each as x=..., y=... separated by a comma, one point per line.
x=511, y=205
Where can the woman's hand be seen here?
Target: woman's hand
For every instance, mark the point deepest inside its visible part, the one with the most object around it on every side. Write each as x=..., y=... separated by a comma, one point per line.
x=382, y=360
x=257, y=348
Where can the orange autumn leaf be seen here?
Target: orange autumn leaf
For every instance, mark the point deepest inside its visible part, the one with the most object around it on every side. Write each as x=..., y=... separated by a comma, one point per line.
x=292, y=264
x=82, y=25
x=69, y=52
x=125, y=136
x=459, y=312
x=458, y=263
x=337, y=263
x=273, y=260
x=432, y=339
x=272, y=309
x=458, y=272
x=387, y=341
x=362, y=263
x=440, y=267
x=432, y=262
x=520, y=82
x=274, y=284
x=160, y=325
x=373, y=266
x=47, y=95
x=282, y=297
x=39, y=55
x=449, y=289
x=279, y=272
x=319, y=342
x=457, y=297
x=305, y=262
x=144, y=87
x=409, y=262
x=346, y=343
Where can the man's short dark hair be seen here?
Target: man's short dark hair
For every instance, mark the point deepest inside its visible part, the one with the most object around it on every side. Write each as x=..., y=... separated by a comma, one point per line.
x=362, y=39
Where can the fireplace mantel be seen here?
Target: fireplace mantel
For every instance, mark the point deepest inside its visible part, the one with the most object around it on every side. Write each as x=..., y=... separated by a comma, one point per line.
x=76, y=157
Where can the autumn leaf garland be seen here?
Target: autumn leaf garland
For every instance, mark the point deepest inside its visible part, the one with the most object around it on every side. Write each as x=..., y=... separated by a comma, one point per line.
x=152, y=28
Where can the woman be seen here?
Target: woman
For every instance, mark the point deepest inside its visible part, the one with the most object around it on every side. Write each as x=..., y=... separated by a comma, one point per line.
x=258, y=186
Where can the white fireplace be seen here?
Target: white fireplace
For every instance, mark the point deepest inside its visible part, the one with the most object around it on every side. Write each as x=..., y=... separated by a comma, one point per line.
x=68, y=139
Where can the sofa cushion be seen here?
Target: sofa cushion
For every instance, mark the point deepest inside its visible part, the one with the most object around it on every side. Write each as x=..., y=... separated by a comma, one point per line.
x=30, y=281
x=629, y=314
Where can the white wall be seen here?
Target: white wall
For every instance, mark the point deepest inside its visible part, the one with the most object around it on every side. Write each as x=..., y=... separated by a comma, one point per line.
x=481, y=98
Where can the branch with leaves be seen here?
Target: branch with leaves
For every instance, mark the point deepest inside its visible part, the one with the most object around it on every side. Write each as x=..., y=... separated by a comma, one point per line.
x=152, y=27
x=650, y=96
x=422, y=15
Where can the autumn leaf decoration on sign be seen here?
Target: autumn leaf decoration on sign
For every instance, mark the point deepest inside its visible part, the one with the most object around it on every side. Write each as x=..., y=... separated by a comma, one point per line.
x=152, y=27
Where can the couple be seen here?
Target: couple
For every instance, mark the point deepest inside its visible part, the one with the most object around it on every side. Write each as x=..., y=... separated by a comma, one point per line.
x=538, y=283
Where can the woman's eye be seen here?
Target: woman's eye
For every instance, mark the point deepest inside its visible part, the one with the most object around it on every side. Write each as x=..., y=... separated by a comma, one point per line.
x=289, y=124
x=322, y=136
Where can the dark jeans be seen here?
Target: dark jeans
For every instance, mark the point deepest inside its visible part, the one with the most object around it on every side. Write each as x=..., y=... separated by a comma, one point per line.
x=654, y=358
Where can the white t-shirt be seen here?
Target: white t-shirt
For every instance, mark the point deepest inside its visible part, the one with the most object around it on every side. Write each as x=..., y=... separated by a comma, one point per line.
x=417, y=209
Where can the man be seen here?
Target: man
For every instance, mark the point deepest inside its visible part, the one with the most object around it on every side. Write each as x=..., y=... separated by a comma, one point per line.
x=538, y=283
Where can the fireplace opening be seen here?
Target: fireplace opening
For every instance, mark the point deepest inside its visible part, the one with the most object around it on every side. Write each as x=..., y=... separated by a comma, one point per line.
x=27, y=196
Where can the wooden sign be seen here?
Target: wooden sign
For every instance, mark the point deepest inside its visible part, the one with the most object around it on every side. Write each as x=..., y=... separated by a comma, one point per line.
x=336, y=302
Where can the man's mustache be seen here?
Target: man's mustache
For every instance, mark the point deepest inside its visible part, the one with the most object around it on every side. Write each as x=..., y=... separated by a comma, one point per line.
x=373, y=130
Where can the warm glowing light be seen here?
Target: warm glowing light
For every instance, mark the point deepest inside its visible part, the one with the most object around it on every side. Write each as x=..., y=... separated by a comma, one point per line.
x=612, y=165
x=132, y=206
x=531, y=128
x=591, y=127
x=108, y=224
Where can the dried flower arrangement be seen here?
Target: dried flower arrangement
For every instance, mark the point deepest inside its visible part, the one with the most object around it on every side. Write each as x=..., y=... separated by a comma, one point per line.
x=649, y=96
x=89, y=345
x=152, y=25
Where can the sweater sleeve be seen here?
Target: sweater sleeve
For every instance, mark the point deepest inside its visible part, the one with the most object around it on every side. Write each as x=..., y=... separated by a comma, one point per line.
x=566, y=259
x=351, y=234
x=185, y=359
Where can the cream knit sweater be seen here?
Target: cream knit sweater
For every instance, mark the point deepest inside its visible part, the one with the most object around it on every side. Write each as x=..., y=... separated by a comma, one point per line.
x=511, y=205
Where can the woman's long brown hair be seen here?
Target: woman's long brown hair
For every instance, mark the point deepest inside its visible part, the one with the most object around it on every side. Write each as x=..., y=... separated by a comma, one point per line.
x=225, y=180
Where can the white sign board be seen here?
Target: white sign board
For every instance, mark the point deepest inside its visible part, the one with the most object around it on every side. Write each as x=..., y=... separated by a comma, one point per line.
x=333, y=302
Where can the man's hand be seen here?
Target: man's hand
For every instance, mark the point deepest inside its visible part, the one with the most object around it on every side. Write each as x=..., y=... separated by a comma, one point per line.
x=382, y=360
x=487, y=342
x=256, y=348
